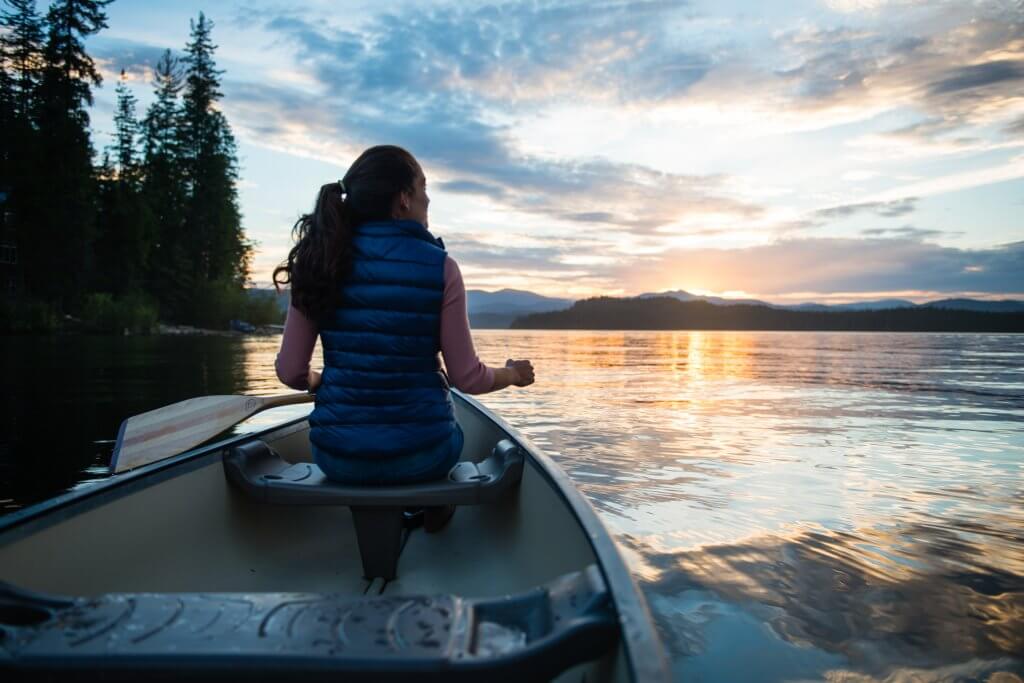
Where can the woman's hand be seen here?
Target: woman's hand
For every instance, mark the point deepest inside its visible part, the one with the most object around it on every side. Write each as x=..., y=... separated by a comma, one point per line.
x=523, y=370
x=313, y=378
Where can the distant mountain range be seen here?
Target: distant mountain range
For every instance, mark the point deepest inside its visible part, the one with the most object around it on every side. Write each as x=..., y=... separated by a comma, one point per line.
x=1005, y=306
x=669, y=313
x=499, y=309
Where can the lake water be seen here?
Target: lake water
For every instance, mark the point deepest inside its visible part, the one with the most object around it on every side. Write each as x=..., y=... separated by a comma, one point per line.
x=796, y=506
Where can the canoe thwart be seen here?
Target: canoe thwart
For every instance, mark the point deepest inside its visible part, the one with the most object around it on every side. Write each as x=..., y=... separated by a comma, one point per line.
x=377, y=511
x=260, y=636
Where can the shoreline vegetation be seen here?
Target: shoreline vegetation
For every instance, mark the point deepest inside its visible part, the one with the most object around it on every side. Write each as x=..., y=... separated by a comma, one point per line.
x=102, y=313
x=148, y=230
x=666, y=313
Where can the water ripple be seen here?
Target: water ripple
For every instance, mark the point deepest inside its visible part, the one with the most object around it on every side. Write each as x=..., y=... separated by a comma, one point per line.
x=834, y=506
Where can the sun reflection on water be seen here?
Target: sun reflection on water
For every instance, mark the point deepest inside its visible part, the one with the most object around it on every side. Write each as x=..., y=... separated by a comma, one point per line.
x=843, y=506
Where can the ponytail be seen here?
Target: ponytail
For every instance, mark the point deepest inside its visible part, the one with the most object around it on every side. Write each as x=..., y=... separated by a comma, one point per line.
x=322, y=256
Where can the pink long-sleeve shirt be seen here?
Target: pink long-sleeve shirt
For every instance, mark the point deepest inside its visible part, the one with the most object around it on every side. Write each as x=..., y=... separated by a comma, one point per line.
x=465, y=371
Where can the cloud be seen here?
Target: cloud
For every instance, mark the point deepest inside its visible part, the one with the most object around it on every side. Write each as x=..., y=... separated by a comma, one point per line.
x=472, y=187
x=958, y=65
x=890, y=209
x=445, y=81
x=514, y=53
x=429, y=81
x=138, y=60
x=978, y=76
x=896, y=260
x=1011, y=169
x=1016, y=127
x=833, y=264
x=907, y=231
x=468, y=250
x=852, y=6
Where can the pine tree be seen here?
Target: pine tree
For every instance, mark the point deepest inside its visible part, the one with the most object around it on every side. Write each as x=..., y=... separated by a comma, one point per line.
x=21, y=49
x=213, y=219
x=161, y=128
x=23, y=45
x=70, y=72
x=7, y=270
x=126, y=132
x=6, y=87
x=164, y=186
x=6, y=120
x=63, y=233
x=123, y=247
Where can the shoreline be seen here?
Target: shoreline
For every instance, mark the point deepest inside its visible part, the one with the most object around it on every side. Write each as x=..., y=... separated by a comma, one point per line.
x=188, y=330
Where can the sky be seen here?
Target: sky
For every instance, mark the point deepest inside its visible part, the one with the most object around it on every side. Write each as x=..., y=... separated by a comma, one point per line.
x=798, y=150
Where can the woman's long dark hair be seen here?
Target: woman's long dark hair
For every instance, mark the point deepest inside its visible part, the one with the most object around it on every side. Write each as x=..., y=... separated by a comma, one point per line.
x=322, y=255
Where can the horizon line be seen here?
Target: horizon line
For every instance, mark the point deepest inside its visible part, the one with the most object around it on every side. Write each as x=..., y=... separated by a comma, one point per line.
x=782, y=299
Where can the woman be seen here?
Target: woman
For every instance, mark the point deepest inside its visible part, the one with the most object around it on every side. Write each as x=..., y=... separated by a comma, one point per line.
x=380, y=290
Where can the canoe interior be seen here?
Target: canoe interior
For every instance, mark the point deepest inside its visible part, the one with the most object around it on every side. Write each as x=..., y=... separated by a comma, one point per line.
x=188, y=530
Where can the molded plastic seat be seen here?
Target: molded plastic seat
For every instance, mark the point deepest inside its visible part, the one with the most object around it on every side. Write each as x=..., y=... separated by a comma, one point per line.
x=376, y=510
x=280, y=636
x=264, y=475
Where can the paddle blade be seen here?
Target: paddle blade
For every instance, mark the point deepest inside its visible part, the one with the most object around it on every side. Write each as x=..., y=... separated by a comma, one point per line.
x=173, y=429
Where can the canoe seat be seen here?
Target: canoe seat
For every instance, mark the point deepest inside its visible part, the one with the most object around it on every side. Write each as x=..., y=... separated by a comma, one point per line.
x=377, y=511
x=307, y=636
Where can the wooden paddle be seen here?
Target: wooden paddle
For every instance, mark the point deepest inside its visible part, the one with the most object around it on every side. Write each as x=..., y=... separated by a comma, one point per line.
x=180, y=426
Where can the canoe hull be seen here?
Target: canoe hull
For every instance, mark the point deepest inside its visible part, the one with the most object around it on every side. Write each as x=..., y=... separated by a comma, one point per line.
x=178, y=526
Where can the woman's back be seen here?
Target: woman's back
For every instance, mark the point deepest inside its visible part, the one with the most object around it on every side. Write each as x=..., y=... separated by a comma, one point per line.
x=373, y=281
x=381, y=368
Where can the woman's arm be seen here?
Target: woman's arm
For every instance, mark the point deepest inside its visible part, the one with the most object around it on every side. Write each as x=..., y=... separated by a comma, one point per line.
x=465, y=370
x=297, y=344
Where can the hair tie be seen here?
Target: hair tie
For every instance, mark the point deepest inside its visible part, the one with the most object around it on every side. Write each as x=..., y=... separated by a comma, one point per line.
x=341, y=186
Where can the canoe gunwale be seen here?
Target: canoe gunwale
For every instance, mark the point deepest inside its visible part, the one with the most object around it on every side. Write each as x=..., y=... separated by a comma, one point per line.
x=641, y=642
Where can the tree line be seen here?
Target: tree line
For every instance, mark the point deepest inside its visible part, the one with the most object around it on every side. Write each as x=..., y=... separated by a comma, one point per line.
x=666, y=313
x=150, y=227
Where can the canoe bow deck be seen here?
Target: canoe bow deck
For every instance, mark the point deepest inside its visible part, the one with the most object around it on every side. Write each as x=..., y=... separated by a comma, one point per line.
x=177, y=532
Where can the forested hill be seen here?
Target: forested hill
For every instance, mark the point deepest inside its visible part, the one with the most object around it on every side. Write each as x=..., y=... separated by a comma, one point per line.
x=665, y=313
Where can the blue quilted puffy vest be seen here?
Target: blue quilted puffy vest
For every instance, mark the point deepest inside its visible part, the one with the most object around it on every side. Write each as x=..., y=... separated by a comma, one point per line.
x=383, y=392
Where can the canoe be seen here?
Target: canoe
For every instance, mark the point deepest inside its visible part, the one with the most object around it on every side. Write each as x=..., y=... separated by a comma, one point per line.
x=237, y=560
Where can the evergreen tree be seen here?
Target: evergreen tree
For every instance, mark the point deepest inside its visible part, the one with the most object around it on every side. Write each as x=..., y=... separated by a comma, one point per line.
x=210, y=158
x=126, y=132
x=6, y=87
x=70, y=72
x=212, y=219
x=164, y=186
x=6, y=120
x=6, y=170
x=22, y=43
x=6, y=78
x=21, y=35
x=161, y=128
x=123, y=247
x=63, y=229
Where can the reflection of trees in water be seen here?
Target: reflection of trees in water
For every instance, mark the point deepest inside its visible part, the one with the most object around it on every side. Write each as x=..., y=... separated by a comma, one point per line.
x=65, y=393
x=890, y=601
